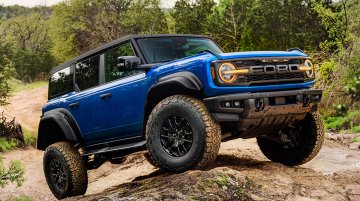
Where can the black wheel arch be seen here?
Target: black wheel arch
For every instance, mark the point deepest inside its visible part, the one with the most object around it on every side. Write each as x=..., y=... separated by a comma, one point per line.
x=180, y=83
x=55, y=126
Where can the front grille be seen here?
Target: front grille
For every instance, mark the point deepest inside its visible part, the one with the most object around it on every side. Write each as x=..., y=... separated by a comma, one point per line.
x=267, y=71
x=272, y=77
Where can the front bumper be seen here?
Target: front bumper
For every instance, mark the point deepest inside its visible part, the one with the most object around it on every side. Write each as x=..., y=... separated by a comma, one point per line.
x=253, y=111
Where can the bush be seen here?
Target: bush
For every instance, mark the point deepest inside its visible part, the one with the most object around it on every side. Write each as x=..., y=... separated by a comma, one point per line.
x=10, y=130
x=13, y=174
x=29, y=137
x=350, y=120
x=327, y=69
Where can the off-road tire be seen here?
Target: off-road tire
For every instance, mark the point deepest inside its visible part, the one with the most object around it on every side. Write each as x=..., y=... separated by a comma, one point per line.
x=76, y=181
x=206, y=134
x=312, y=138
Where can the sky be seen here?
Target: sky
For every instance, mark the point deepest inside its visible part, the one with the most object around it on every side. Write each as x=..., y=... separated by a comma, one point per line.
x=32, y=3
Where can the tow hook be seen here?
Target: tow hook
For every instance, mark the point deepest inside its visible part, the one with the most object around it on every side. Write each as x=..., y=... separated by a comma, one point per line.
x=306, y=101
x=259, y=105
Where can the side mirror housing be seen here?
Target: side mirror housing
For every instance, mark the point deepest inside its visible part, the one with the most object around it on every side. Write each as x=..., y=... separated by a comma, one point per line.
x=128, y=63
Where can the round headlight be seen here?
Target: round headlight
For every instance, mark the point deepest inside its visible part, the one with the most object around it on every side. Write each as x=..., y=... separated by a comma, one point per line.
x=308, y=63
x=227, y=77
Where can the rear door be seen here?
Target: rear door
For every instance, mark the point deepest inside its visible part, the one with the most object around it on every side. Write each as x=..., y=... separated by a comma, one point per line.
x=83, y=105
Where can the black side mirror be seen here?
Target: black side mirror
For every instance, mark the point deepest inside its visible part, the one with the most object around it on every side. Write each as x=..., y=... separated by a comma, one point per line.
x=128, y=63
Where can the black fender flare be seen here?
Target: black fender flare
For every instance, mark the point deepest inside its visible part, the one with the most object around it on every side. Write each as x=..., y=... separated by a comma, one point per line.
x=183, y=82
x=62, y=118
x=185, y=79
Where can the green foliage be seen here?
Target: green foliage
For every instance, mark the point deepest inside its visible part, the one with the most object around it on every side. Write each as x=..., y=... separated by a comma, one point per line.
x=77, y=26
x=327, y=69
x=5, y=71
x=6, y=145
x=333, y=21
x=28, y=36
x=13, y=174
x=190, y=16
x=355, y=140
x=351, y=121
x=222, y=180
x=145, y=17
x=22, y=198
x=352, y=88
x=355, y=129
x=30, y=137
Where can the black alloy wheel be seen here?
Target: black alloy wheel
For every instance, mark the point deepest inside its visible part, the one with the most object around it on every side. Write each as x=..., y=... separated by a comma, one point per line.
x=176, y=136
x=58, y=175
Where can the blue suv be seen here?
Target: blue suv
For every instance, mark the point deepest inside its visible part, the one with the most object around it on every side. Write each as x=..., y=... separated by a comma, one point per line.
x=178, y=97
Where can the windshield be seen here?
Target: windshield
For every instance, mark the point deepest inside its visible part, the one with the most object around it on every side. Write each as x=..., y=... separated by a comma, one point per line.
x=164, y=49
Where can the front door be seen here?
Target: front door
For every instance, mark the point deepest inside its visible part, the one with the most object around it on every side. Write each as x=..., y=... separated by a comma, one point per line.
x=122, y=97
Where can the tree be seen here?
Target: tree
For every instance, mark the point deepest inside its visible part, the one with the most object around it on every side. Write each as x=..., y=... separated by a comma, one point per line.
x=78, y=26
x=227, y=23
x=190, y=18
x=28, y=35
x=5, y=70
x=145, y=17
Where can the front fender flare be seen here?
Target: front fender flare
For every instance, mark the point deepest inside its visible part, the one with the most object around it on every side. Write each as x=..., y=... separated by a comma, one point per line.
x=185, y=79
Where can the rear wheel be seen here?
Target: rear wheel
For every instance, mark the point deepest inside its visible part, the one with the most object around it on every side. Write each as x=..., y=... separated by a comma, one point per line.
x=297, y=144
x=181, y=134
x=65, y=170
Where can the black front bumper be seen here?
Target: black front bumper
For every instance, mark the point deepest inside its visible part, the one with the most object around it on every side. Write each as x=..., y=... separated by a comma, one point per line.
x=253, y=111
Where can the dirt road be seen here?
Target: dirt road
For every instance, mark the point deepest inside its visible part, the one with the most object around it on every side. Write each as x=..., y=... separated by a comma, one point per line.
x=26, y=107
x=333, y=175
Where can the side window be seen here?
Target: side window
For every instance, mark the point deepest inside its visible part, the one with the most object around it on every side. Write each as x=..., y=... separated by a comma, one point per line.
x=87, y=73
x=61, y=83
x=111, y=70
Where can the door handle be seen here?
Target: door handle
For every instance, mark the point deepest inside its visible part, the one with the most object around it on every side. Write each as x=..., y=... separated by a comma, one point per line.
x=76, y=104
x=107, y=95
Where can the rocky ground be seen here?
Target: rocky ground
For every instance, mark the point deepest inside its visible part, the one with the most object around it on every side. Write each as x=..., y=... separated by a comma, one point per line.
x=241, y=172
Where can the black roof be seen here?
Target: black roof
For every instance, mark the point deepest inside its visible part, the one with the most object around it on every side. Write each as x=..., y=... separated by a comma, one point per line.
x=116, y=42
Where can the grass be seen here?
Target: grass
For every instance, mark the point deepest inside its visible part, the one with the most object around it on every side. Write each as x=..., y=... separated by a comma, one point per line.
x=21, y=198
x=348, y=122
x=30, y=137
x=17, y=85
x=222, y=180
x=6, y=145
x=355, y=140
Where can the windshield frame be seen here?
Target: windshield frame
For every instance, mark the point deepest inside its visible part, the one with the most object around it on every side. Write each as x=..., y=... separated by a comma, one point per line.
x=143, y=57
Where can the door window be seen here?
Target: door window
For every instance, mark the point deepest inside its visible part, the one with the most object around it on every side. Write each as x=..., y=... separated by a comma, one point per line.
x=111, y=70
x=87, y=73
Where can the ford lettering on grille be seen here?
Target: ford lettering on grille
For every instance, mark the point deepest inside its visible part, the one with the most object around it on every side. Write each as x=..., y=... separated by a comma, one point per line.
x=282, y=68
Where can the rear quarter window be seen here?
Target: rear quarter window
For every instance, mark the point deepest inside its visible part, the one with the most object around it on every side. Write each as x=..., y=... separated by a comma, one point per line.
x=61, y=83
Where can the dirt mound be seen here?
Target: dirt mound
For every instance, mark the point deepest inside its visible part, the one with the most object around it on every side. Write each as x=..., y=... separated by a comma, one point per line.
x=215, y=184
x=241, y=172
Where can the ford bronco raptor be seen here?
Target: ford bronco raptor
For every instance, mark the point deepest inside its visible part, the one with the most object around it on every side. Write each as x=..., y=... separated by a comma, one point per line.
x=178, y=97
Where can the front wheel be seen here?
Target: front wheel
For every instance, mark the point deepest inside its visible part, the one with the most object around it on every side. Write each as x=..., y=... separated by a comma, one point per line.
x=297, y=144
x=181, y=134
x=65, y=170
